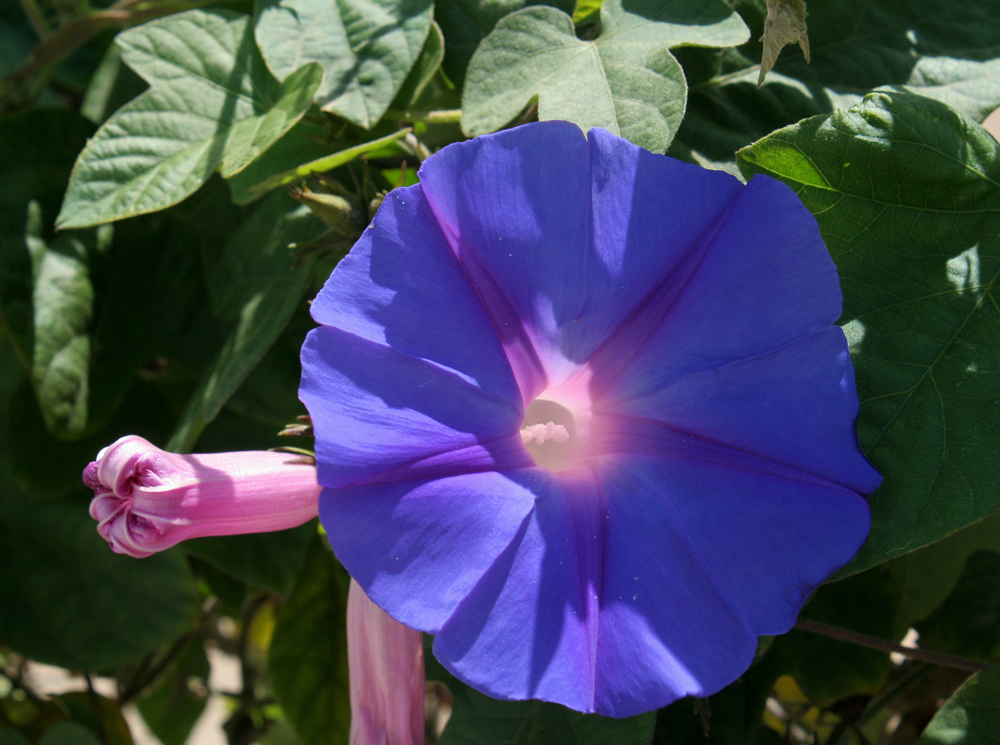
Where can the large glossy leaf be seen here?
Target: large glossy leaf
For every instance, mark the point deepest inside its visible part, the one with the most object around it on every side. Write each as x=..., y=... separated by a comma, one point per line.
x=466, y=23
x=971, y=716
x=907, y=195
x=308, y=656
x=366, y=48
x=257, y=285
x=212, y=104
x=625, y=81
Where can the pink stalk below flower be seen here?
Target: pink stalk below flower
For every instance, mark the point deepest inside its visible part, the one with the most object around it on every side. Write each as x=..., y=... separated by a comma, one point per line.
x=386, y=662
x=147, y=500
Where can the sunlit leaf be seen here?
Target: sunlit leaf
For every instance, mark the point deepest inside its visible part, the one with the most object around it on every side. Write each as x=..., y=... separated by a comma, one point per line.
x=625, y=81
x=212, y=104
x=366, y=48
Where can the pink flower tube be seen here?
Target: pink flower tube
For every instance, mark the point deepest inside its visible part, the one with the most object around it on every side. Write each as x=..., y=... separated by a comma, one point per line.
x=386, y=662
x=147, y=500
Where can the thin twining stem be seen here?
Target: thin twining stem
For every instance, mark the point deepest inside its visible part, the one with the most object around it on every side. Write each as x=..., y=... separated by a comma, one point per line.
x=855, y=637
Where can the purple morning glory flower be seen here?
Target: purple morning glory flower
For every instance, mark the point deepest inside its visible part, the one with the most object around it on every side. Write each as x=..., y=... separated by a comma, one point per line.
x=582, y=413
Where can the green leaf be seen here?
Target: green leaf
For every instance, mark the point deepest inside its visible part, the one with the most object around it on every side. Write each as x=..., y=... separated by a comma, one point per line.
x=46, y=467
x=929, y=575
x=303, y=143
x=625, y=81
x=423, y=69
x=586, y=10
x=267, y=560
x=173, y=705
x=466, y=23
x=81, y=322
x=308, y=653
x=274, y=180
x=63, y=309
x=68, y=733
x=971, y=716
x=9, y=736
x=906, y=194
x=70, y=601
x=212, y=104
x=366, y=48
x=100, y=715
x=46, y=293
x=477, y=719
x=968, y=623
x=257, y=285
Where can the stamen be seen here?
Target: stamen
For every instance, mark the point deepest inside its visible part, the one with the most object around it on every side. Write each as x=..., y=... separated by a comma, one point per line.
x=542, y=433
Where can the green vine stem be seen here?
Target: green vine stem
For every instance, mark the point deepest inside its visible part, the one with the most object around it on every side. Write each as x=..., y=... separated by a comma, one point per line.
x=925, y=655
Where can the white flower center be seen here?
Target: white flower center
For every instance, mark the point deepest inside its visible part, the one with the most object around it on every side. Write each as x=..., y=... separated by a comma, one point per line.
x=556, y=425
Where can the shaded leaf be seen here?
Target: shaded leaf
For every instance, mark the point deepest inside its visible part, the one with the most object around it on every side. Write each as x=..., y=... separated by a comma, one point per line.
x=929, y=575
x=10, y=736
x=625, y=81
x=308, y=654
x=45, y=467
x=906, y=190
x=366, y=48
x=265, y=560
x=272, y=180
x=212, y=104
x=477, y=719
x=179, y=696
x=423, y=69
x=944, y=50
x=70, y=601
x=971, y=716
x=968, y=623
x=102, y=716
x=258, y=286
x=62, y=312
x=68, y=733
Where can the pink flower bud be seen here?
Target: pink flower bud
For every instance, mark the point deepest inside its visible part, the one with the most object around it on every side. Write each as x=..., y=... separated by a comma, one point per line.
x=386, y=661
x=147, y=500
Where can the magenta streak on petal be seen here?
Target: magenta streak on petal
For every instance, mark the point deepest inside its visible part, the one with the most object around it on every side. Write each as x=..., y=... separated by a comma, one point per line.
x=147, y=500
x=496, y=454
x=641, y=324
x=627, y=434
x=528, y=369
